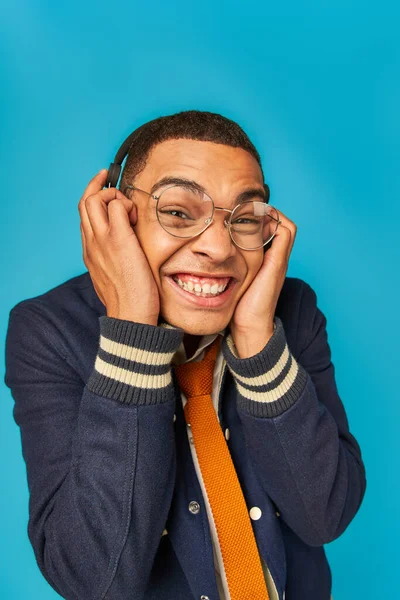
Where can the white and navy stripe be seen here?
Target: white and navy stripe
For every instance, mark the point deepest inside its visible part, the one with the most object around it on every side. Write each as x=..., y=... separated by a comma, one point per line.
x=269, y=382
x=133, y=362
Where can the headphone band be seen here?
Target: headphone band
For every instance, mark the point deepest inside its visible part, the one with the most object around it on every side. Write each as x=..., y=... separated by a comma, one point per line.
x=115, y=167
x=114, y=170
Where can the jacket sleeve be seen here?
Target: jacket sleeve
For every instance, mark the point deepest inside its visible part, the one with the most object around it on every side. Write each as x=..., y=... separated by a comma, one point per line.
x=296, y=429
x=100, y=455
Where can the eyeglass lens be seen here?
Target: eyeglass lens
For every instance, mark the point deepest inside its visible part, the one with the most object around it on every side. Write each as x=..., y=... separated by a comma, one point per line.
x=184, y=212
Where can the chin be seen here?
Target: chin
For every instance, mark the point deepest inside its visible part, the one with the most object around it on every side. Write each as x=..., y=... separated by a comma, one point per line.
x=197, y=324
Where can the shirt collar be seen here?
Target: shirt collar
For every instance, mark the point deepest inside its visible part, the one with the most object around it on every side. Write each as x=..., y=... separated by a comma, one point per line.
x=180, y=355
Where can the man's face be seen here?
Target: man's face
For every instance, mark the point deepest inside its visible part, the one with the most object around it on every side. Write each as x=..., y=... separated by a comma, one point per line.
x=211, y=257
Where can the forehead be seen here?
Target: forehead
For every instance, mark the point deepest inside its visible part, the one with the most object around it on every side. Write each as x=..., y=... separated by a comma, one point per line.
x=206, y=162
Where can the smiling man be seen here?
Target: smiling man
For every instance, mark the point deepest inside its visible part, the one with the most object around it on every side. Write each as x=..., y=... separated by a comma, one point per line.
x=144, y=482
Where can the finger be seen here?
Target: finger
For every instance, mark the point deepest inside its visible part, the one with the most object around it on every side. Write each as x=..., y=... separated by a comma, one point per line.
x=85, y=222
x=291, y=228
x=96, y=184
x=278, y=252
x=289, y=239
x=105, y=196
x=97, y=214
x=119, y=221
x=109, y=194
x=97, y=209
x=84, y=249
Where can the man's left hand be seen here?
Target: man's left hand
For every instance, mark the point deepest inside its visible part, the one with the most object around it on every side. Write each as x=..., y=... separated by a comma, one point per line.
x=252, y=324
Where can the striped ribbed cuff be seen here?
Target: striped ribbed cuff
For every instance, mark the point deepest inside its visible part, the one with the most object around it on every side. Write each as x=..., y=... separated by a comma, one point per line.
x=269, y=382
x=133, y=362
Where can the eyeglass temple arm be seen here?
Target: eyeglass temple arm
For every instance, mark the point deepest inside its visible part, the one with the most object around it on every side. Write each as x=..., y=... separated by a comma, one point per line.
x=133, y=187
x=277, y=220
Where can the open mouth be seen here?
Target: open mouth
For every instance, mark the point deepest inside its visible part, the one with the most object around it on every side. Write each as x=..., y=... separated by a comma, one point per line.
x=204, y=287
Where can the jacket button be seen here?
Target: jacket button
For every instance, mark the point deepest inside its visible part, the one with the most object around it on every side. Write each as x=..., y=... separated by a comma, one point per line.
x=227, y=434
x=255, y=513
x=278, y=514
x=194, y=507
x=174, y=418
x=204, y=598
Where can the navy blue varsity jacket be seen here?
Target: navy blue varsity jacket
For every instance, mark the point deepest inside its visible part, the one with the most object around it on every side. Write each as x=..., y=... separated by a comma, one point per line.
x=109, y=465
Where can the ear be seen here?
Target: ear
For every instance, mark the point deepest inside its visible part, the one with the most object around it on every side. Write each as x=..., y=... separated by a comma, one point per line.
x=126, y=190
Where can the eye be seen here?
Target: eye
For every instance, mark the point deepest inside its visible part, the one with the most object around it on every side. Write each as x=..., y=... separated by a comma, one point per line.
x=175, y=213
x=178, y=213
x=246, y=221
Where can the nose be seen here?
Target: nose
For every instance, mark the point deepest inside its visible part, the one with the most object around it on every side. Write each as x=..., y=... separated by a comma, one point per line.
x=215, y=242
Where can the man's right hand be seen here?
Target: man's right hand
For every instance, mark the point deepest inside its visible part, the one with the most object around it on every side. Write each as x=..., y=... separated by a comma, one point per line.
x=115, y=260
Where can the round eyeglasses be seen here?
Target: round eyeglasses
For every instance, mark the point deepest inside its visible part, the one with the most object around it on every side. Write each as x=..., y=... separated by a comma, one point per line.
x=185, y=212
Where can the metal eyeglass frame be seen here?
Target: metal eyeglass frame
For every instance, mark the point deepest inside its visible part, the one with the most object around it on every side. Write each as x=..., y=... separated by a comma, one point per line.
x=210, y=219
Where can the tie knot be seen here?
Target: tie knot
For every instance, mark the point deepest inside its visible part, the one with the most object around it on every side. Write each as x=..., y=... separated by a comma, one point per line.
x=196, y=378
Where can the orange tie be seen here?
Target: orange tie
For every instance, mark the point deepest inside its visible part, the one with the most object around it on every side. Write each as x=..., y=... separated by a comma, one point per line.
x=239, y=550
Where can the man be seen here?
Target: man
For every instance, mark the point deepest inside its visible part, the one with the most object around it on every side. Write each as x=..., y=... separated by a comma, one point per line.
x=121, y=501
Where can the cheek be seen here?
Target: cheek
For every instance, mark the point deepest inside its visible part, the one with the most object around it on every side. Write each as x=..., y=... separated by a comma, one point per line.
x=157, y=245
x=254, y=261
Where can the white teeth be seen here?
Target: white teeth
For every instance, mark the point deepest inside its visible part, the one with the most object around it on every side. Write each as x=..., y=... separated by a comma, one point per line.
x=198, y=290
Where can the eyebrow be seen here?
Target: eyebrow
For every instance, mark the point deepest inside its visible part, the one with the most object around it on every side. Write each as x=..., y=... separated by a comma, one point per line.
x=191, y=184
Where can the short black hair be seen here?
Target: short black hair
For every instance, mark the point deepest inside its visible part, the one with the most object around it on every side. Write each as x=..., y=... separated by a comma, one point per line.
x=190, y=124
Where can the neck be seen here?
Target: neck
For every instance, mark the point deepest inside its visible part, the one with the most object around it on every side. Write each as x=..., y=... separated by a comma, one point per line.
x=191, y=343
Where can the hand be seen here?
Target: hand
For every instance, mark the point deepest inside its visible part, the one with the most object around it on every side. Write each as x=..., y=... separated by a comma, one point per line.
x=116, y=262
x=252, y=324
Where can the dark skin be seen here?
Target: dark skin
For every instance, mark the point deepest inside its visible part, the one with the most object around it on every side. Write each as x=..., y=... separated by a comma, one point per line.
x=133, y=275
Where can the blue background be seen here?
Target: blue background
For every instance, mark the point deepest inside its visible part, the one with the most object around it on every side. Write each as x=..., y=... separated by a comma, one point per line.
x=316, y=86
